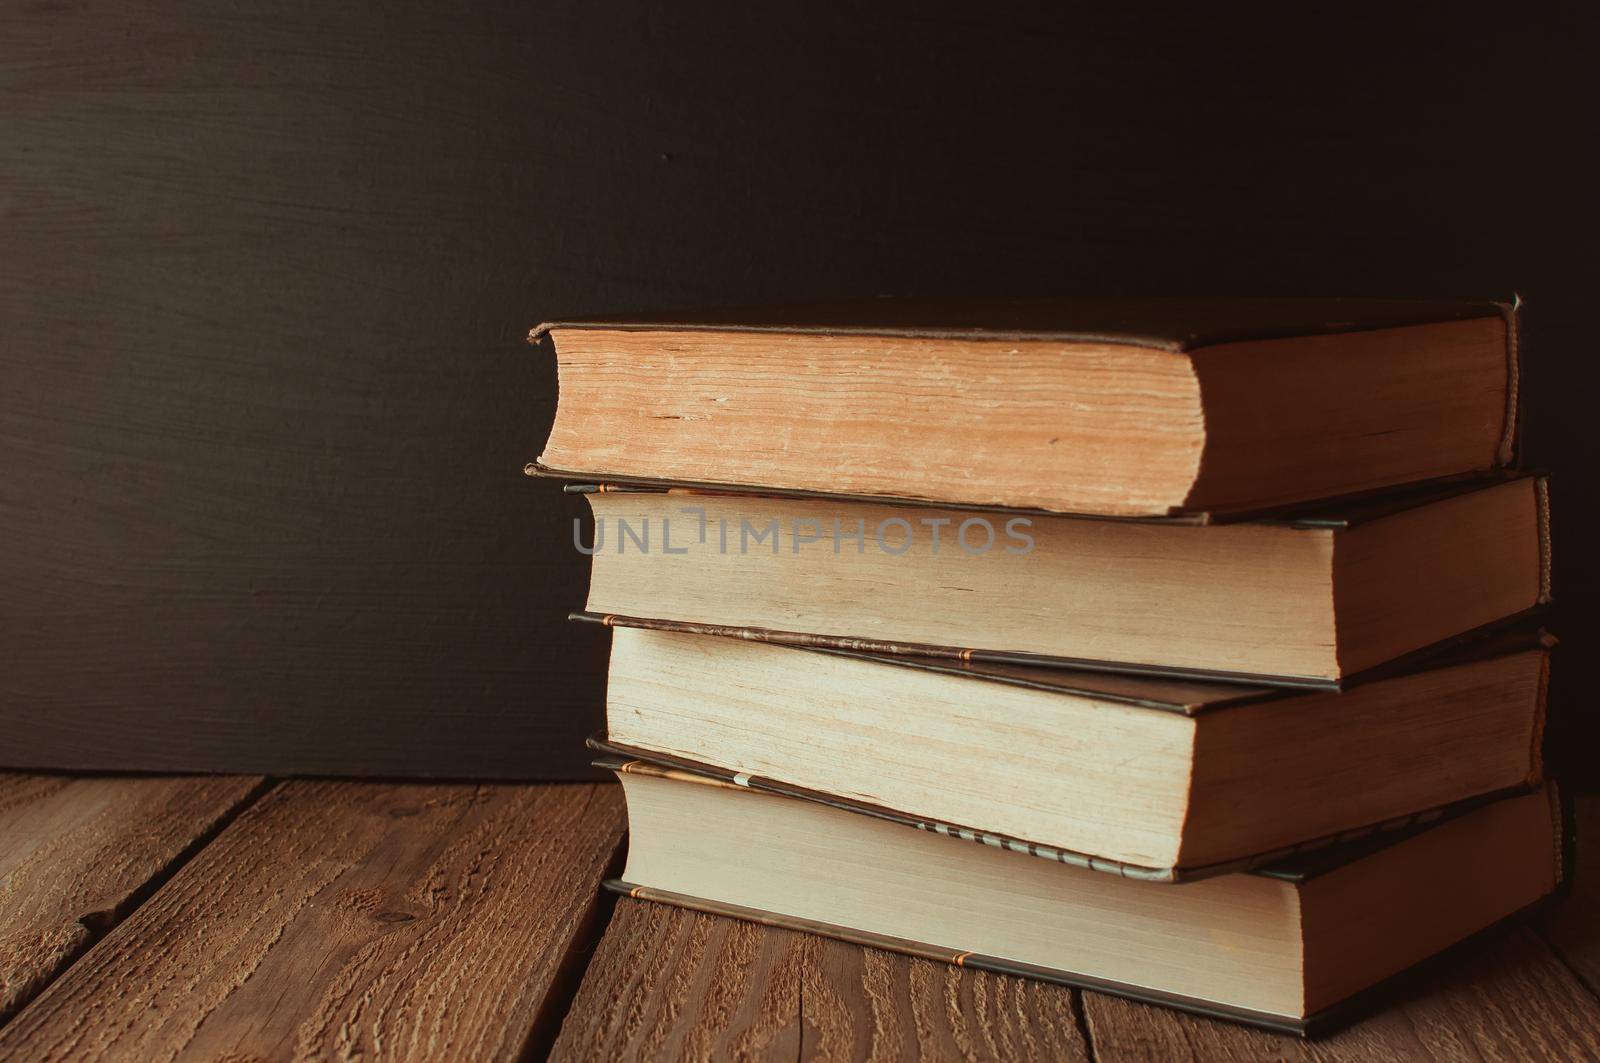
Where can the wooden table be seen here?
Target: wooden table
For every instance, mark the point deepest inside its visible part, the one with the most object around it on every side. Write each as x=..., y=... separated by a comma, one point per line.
x=253, y=919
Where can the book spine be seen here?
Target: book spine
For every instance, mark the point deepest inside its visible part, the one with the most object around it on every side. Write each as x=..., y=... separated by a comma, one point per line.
x=1564, y=836
x=1541, y=494
x=1507, y=452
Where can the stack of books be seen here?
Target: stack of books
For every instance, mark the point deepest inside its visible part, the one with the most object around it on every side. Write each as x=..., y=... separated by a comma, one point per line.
x=1186, y=650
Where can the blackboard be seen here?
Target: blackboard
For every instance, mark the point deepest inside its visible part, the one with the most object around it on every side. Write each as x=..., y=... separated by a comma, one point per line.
x=265, y=269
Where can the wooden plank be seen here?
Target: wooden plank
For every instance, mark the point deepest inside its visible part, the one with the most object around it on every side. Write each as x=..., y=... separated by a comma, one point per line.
x=1573, y=926
x=1504, y=997
x=76, y=854
x=669, y=983
x=345, y=919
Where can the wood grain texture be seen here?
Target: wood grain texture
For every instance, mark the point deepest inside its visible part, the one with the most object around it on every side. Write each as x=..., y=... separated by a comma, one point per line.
x=667, y=983
x=267, y=267
x=1505, y=996
x=341, y=921
x=77, y=854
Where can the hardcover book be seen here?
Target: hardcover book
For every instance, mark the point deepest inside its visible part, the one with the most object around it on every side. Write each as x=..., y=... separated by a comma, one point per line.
x=1156, y=779
x=1310, y=601
x=1288, y=947
x=1110, y=406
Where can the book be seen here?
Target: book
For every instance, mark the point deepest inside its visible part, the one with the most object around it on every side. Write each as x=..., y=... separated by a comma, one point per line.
x=1158, y=779
x=1286, y=947
x=1311, y=601
x=1111, y=406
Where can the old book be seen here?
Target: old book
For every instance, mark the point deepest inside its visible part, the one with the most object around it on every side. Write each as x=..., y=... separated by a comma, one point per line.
x=1285, y=947
x=1308, y=602
x=1160, y=779
x=1120, y=407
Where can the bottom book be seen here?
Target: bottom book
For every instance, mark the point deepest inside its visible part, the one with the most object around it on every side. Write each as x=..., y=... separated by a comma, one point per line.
x=1284, y=947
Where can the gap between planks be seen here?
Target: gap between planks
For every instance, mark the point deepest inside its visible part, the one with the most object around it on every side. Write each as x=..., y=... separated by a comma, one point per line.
x=409, y=920
x=79, y=853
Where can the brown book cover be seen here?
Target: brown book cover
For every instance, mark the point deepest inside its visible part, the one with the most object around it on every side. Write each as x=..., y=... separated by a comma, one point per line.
x=1343, y=512
x=1321, y=1024
x=1172, y=689
x=1296, y=868
x=1325, y=518
x=1176, y=325
x=624, y=759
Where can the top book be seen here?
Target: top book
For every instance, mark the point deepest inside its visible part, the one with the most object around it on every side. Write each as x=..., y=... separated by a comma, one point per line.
x=1115, y=407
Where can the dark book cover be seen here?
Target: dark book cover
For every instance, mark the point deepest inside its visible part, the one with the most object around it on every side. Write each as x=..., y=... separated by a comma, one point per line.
x=1181, y=325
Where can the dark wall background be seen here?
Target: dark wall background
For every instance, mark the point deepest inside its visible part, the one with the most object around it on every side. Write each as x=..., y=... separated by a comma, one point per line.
x=265, y=268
